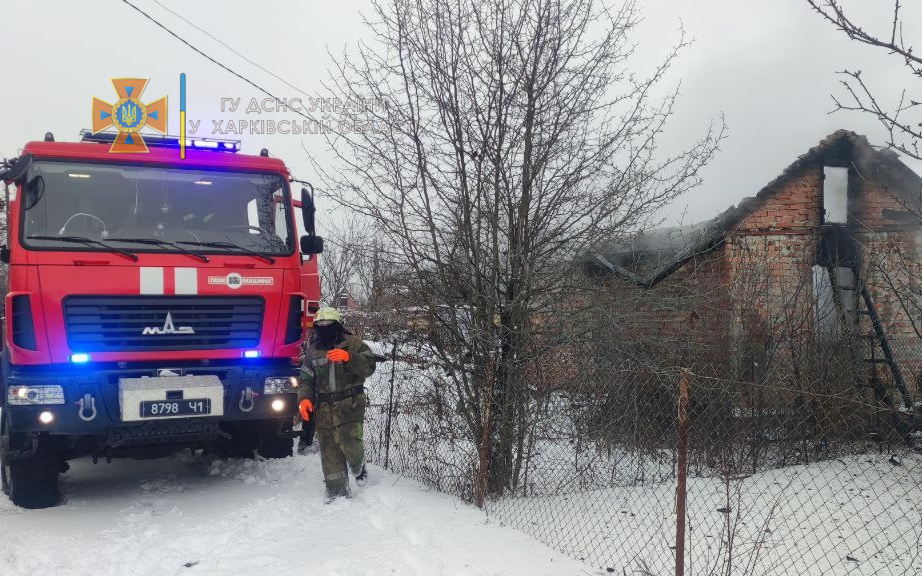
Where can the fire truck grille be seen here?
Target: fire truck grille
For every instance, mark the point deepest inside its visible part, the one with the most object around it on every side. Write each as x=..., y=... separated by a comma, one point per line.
x=139, y=323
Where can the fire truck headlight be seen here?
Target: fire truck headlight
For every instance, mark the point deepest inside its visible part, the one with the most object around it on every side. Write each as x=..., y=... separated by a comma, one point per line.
x=279, y=384
x=278, y=405
x=46, y=417
x=35, y=395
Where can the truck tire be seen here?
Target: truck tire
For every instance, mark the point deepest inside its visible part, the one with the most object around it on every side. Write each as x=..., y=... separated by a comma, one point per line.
x=271, y=443
x=29, y=482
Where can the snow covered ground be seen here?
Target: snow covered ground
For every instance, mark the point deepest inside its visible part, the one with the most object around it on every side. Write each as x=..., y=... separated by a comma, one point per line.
x=195, y=515
x=860, y=515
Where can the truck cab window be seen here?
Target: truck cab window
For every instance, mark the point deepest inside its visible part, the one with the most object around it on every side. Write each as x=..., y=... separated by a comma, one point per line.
x=119, y=203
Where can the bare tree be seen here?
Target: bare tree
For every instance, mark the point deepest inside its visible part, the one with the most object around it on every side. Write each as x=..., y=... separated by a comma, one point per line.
x=514, y=136
x=902, y=120
x=342, y=259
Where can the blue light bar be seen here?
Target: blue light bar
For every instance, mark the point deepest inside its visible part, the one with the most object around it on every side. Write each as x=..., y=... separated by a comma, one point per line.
x=79, y=358
x=251, y=354
x=167, y=141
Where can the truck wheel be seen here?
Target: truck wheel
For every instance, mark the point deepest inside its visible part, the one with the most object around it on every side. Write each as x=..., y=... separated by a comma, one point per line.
x=273, y=445
x=30, y=482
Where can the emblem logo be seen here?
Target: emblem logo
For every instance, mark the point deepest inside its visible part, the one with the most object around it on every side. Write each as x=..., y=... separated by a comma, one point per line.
x=168, y=328
x=129, y=115
x=234, y=280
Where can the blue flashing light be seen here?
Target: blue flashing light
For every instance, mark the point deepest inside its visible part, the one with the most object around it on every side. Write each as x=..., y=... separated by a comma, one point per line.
x=251, y=354
x=80, y=358
x=167, y=141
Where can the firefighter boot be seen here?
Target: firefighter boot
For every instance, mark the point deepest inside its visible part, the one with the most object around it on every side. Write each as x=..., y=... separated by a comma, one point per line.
x=362, y=477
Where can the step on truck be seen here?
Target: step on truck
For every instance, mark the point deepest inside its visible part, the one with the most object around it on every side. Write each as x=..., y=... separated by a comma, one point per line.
x=153, y=304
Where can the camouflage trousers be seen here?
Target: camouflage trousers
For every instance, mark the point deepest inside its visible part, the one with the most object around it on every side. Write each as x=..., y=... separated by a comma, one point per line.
x=340, y=431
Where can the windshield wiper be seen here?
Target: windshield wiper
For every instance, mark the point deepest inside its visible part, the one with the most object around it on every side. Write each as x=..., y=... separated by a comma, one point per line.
x=156, y=242
x=88, y=242
x=243, y=249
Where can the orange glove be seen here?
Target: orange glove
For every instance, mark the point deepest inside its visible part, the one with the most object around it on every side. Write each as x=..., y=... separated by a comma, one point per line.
x=338, y=355
x=306, y=407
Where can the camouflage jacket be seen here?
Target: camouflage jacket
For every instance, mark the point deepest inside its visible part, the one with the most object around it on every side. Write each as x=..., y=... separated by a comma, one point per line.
x=317, y=377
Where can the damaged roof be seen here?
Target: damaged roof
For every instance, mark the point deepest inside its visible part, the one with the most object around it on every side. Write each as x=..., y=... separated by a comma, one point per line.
x=649, y=257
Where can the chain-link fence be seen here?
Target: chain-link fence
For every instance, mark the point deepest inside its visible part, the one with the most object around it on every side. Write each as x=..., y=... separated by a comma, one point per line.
x=781, y=473
x=412, y=428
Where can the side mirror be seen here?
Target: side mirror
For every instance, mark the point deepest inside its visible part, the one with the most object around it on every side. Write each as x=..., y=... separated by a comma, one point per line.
x=311, y=245
x=308, y=211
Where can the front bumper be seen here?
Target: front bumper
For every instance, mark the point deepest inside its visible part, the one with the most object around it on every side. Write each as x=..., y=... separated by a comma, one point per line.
x=83, y=385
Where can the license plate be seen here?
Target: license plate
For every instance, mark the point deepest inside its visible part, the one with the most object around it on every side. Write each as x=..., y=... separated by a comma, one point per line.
x=168, y=408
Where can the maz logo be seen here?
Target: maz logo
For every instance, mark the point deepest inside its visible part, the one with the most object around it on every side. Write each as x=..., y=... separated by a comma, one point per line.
x=168, y=328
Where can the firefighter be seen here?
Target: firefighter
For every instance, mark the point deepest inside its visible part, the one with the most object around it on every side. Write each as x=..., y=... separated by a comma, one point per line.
x=331, y=393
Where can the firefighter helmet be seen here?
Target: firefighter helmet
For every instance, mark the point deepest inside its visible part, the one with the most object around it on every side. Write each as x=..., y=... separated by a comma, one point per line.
x=328, y=313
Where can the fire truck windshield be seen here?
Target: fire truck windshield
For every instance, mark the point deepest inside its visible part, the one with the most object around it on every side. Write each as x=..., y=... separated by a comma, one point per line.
x=122, y=206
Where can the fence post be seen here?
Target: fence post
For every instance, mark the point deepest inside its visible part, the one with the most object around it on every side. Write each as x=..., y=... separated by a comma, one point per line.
x=682, y=447
x=390, y=407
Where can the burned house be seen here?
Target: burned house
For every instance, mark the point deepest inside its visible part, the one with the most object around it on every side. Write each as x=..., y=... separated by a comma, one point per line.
x=824, y=258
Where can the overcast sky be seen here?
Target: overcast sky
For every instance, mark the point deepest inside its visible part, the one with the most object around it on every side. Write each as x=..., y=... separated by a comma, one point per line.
x=769, y=66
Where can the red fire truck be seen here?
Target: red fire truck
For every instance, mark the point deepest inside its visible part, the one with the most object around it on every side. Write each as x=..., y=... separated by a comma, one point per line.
x=154, y=304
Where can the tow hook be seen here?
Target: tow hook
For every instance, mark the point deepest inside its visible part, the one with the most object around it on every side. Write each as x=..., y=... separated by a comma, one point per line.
x=246, y=399
x=86, y=408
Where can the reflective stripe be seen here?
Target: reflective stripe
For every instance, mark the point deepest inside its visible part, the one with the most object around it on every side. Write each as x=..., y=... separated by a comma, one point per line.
x=336, y=476
x=151, y=280
x=186, y=281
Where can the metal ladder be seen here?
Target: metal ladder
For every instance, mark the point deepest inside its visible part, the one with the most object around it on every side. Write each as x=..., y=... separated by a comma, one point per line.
x=872, y=343
x=877, y=351
x=877, y=339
